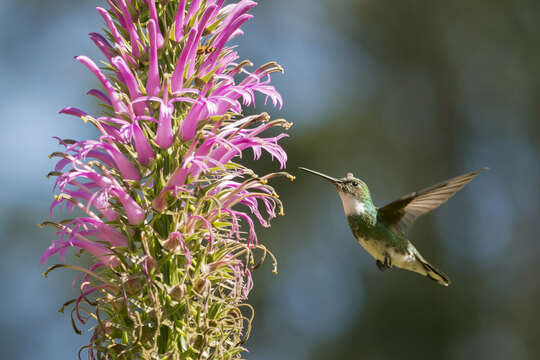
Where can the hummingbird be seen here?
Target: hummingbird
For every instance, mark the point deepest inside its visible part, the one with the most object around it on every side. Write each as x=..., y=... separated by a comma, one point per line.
x=381, y=230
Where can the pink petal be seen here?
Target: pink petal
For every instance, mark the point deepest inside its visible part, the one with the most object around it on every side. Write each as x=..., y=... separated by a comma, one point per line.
x=177, y=81
x=153, y=16
x=153, y=84
x=131, y=83
x=134, y=212
x=179, y=21
x=144, y=150
x=118, y=105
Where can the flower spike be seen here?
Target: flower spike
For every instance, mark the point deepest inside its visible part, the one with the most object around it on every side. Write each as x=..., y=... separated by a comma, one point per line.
x=162, y=200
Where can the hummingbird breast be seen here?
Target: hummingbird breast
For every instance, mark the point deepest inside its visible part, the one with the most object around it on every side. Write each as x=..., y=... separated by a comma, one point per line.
x=374, y=248
x=376, y=238
x=380, y=241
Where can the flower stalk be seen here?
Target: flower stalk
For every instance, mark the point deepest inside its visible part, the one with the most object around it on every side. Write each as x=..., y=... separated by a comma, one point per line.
x=163, y=203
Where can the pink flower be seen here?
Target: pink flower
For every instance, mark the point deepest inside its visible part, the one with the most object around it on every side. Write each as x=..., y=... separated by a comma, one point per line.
x=161, y=197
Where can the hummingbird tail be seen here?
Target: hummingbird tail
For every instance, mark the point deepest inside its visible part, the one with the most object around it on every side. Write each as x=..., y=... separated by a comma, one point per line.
x=434, y=273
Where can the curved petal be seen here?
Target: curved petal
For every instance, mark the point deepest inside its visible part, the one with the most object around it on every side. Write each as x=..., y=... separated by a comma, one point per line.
x=153, y=16
x=117, y=104
x=153, y=84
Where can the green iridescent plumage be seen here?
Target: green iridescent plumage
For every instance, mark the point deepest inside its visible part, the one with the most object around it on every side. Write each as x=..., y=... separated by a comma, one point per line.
x=381, y=231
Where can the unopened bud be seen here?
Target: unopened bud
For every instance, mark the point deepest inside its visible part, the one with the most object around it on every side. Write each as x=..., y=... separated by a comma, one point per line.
x=133, y=285
x=149, y=263
x=197, y=341
x=202, y=286
x=105, y=328
x=178, y=292
x=172, y=244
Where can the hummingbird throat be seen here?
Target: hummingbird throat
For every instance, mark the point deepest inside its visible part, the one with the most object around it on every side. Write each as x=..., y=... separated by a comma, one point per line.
x=352, y=205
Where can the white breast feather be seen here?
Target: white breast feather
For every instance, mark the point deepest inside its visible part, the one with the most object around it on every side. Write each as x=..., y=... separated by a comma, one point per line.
x=351, y=205
x=402, y=260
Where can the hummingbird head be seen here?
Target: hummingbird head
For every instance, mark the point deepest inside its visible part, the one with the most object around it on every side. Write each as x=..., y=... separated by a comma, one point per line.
x=353, y=192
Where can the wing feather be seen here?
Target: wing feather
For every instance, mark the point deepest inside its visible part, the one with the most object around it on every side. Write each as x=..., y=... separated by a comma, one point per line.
x=401, y=214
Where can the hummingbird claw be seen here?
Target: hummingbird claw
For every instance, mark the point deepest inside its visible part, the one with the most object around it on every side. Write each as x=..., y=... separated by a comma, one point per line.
x=387, y=260
x=386, y=264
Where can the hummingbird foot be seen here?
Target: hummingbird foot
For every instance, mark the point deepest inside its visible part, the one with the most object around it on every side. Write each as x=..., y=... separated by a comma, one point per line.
x=386, y=264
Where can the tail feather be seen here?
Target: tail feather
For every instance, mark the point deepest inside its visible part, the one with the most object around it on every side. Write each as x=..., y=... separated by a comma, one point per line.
x=434, y=273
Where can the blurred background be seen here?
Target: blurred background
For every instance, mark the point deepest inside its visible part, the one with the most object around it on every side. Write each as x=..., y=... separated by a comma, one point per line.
x=401, y=93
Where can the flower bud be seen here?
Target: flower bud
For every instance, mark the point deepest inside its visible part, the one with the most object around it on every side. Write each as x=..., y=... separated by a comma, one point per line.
x=178, y=292
x=172, y=244
x=149, y=264
x=133, y=285
x=202, y=286
x=197, y=341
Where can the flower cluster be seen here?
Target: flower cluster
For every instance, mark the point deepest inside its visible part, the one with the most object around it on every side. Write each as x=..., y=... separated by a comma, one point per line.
x=162, y=203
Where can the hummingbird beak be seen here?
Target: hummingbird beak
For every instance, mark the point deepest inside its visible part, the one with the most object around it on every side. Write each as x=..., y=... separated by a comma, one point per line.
x=326, y=177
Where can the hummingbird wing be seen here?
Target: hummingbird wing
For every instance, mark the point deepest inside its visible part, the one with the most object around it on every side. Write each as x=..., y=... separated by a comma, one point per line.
x=401, y=214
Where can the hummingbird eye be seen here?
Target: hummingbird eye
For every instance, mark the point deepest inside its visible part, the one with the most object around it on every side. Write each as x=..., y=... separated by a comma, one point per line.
x=355, y=183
